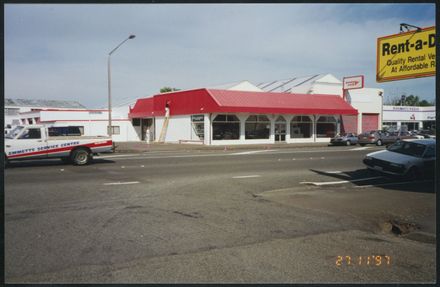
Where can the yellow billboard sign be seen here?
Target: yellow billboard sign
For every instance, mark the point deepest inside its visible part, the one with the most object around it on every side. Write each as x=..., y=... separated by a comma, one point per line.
x=406, y=55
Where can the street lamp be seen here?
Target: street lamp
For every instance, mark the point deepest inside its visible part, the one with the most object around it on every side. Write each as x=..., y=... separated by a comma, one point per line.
x=109, y=129
x=381, y=109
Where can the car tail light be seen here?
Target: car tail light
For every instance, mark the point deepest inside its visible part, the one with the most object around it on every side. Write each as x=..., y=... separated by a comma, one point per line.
x=371, y=137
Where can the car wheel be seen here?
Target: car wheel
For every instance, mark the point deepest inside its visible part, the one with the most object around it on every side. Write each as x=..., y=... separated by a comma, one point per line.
x=379, y=142
x=348, y=143
x=80, y=156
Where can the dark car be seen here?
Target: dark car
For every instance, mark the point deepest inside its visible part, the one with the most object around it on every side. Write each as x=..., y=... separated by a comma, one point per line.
x=344, y=139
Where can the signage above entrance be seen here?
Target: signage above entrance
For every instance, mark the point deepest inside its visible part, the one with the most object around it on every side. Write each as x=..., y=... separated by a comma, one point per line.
x=406, y=55
x=353, y=82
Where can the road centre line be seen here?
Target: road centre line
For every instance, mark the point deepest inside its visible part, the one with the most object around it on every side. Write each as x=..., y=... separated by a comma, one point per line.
x=145, y=156
x=339, y=182
x=360, y=148
x=252, y=152
x=121, y=183
x=246, y=176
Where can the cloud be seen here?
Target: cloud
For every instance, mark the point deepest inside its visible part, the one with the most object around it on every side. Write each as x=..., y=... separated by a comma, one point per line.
x=60, y=51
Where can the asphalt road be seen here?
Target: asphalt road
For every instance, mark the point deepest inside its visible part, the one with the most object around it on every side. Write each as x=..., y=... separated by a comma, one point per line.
x=281, y=216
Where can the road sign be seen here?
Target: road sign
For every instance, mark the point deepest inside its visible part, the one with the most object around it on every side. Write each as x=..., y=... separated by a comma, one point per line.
x=353, y=82
x=406, y=55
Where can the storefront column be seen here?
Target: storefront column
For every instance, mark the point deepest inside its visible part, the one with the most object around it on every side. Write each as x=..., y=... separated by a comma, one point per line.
x=242, y=127
x=207, y=124
x=272, y=128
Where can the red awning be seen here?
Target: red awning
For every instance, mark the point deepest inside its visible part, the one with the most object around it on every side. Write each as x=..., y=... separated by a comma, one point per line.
x=280, y=103
x=142, y=109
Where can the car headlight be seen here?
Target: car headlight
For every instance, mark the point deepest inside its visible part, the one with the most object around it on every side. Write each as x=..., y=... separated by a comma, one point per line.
x=368, y=158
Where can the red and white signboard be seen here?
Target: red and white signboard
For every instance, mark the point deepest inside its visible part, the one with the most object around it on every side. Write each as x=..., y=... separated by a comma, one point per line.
x=353, y=82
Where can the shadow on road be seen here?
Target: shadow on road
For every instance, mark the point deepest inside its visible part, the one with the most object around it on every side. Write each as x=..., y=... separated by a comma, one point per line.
x=51, y=162
x=384, y=181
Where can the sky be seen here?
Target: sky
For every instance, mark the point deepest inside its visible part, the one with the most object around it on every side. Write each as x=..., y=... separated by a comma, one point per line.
x=60, y=52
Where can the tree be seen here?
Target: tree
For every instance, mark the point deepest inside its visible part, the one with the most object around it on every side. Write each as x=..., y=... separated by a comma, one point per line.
x=168, y=89
x=410, y=100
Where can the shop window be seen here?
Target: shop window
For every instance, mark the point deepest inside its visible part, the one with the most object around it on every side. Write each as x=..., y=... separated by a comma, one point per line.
x=326, y=127
x=410, y=126
x=257, y=127
x=116, y=130
x=226, y=127
x=301, y=127
x=389, y=126
x=136, y=122
x=198, y=125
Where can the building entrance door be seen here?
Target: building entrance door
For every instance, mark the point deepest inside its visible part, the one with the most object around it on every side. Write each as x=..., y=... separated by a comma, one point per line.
x=147, y=130
x=280, y=129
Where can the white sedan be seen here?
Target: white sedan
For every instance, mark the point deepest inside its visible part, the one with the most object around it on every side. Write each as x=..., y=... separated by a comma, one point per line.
x=412, y=158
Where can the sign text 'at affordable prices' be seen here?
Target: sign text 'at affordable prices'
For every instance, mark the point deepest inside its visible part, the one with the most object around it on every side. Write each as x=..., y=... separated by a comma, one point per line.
x=406, y=55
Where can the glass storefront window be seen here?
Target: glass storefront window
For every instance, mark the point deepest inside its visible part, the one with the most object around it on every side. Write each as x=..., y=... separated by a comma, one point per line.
x=198, y=125
x=257, y=127
x=226, y=127
x=326, y=127
x=301, y=127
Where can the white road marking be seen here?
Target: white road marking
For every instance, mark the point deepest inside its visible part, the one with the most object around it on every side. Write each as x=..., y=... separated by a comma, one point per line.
x=360, y=148
x=252, y=152
x=120, y=183
x=339, y=182
x=247, y=176
x=333, y=172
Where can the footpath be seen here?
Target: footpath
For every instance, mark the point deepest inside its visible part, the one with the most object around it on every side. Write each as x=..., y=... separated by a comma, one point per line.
x=139, y=147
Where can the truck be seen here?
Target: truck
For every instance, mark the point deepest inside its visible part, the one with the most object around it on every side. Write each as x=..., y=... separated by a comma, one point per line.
x=43, y=142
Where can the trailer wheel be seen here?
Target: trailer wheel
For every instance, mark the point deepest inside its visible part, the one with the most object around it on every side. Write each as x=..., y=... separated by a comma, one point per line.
x=81, y=156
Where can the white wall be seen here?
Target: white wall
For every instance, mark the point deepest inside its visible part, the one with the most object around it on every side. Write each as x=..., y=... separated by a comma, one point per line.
x=179, y=128
x=94, y=122
x=366, y=101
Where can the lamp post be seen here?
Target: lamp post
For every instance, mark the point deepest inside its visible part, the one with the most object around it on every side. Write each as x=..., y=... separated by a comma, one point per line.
x=109, y=129
x=381, y=109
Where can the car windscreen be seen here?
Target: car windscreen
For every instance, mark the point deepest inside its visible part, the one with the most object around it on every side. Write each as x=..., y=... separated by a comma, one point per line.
x=14, y=132
x=408, y=148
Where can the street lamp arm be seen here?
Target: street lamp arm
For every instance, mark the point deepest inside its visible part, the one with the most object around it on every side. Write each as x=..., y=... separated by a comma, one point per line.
x=129, y=37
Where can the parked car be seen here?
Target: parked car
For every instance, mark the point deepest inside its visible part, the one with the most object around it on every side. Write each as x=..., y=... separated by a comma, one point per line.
x=412, y=158
x=344, y=139
x=427, y=134
x=380, y=137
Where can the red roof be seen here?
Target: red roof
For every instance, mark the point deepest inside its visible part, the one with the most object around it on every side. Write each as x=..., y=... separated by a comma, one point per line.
x=225, y=101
